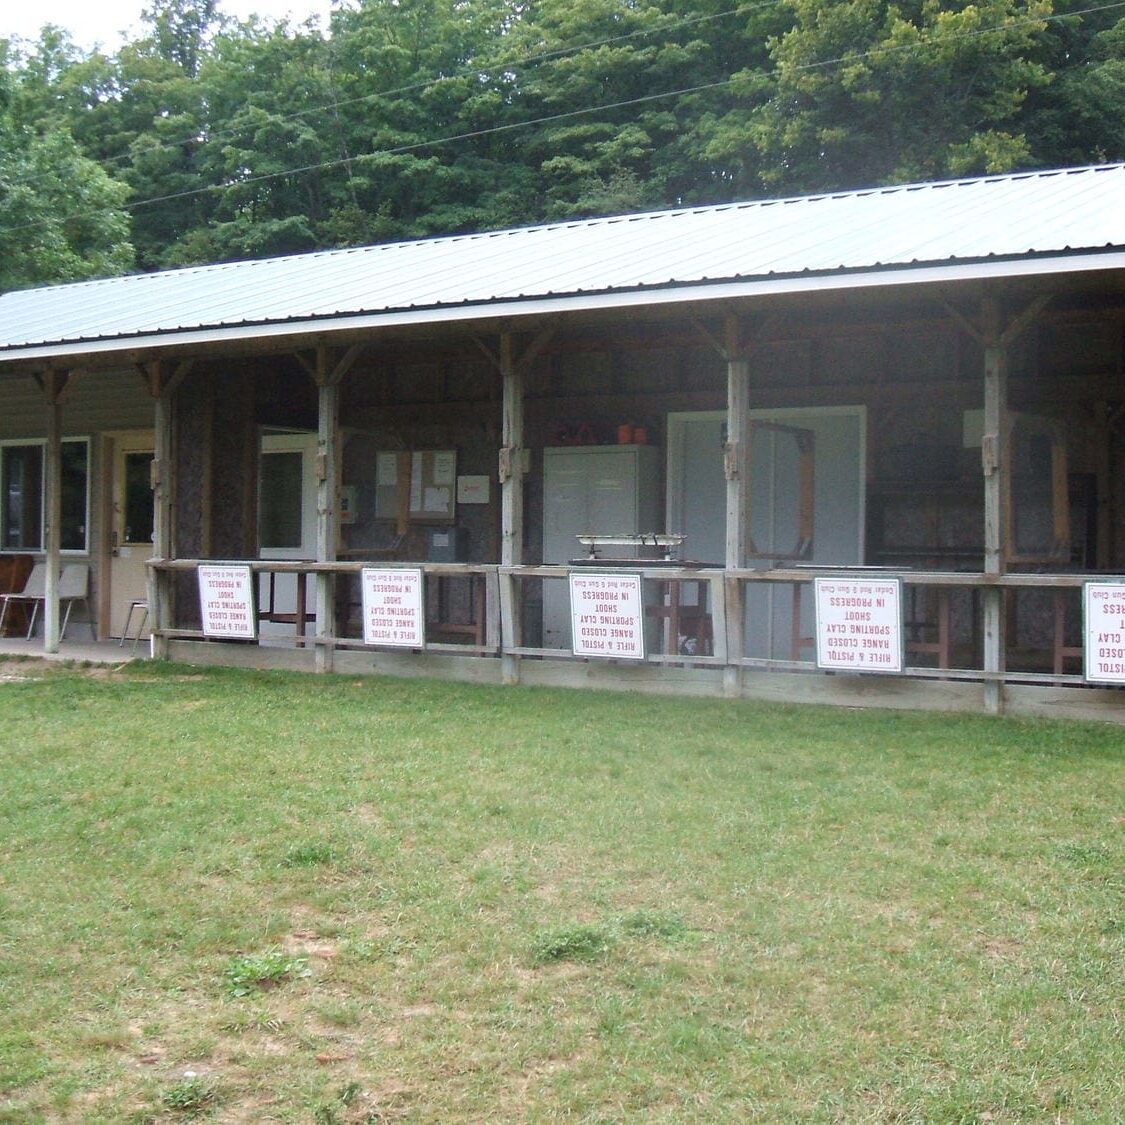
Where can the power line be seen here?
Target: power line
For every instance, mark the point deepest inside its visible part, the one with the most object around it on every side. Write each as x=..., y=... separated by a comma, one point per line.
x=468, y=71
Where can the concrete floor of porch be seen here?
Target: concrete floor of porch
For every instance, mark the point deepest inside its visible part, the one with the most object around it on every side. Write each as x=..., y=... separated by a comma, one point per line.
x=82, y=650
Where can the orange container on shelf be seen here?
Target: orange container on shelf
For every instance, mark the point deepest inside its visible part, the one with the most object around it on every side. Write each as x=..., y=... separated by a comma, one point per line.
x=640, y=435
x=625, y=434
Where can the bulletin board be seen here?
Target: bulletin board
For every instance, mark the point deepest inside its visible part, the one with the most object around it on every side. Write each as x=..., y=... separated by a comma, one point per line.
x=418, y=485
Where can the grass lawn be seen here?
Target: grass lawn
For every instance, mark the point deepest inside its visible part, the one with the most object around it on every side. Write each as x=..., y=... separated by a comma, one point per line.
x=266, y=897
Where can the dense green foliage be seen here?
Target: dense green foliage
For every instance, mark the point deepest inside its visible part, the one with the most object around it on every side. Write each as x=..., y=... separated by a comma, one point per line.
x=207, y=139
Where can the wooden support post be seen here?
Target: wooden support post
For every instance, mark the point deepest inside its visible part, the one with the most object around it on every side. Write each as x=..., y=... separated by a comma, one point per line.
x=511, y=472
x=511, y=497
x=736, y=465
x=327, y=372
x=54, y=386
x=996, y=497
x=162, y=388
x=327, y=507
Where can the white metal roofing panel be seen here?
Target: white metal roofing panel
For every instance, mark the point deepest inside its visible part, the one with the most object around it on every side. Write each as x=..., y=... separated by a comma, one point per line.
x=834, y=237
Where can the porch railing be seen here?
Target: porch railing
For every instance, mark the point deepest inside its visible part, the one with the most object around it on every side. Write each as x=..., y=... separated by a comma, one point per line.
x=694, y=617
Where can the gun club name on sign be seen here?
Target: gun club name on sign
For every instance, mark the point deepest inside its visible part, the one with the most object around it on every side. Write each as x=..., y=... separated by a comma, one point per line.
x=607, y=615
x=859, y=624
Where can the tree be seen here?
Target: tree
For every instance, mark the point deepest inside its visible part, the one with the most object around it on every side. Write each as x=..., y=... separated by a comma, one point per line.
x=62, y=218
x=62, y=215
x=869, y=92
x=180, y=29
x=1080, y=117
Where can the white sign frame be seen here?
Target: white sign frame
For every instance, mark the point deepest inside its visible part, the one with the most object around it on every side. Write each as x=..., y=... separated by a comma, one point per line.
x=227, y=602
x=859, y=623
x=1097, y=598
x=394, y=612
x=612, y=626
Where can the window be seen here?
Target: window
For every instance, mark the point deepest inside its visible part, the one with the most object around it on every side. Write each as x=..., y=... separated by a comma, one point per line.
x=23, y=475
x=279, y=500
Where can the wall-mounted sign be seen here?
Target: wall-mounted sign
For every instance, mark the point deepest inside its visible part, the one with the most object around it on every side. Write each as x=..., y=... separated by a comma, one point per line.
x=859, y=623
x=392, y=607
x=472, y=490
x=1103, y=615
x=607, y=615
x=226, y=602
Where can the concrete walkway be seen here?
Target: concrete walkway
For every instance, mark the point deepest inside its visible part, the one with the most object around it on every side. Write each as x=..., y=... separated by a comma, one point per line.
x=84, y=650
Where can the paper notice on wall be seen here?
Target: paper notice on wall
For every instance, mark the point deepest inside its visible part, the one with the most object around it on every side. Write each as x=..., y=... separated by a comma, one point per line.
x=1104, y=627
x=445, y=467
x=607, y=615
x=386, y=469
x=859, y=624
x=226, y=602
x=392, y=607
x=436, y=500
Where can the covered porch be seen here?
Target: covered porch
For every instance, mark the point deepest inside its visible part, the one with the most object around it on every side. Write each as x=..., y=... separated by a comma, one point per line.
x=951, y=425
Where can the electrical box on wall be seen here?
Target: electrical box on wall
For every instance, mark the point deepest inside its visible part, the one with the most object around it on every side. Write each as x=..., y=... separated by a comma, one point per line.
x=448, y=544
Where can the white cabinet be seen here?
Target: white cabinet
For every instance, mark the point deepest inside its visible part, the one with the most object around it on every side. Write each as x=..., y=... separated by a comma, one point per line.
x=595, y=489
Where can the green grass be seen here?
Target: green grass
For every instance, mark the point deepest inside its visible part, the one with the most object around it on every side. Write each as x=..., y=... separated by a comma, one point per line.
x=470, y=903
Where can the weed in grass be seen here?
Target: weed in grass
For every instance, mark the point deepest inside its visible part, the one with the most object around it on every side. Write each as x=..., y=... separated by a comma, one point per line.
x=1086, y=855
x=310, y=855
x=653, y=923
x=251, y=972
x=328, y=1112
x=190, y=1096
x=340, y=1013
x=572, y=943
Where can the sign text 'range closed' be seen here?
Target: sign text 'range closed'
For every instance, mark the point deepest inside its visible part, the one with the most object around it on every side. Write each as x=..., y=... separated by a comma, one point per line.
x=859, y=623
x=1104, y=625
x=393, y=607
x=607, y=615
x=226, y=602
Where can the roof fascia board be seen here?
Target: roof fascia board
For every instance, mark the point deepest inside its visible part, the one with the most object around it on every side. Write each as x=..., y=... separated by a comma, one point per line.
x=594, y=302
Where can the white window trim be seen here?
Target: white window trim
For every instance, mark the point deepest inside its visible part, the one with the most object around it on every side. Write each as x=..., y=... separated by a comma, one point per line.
x=73, y=552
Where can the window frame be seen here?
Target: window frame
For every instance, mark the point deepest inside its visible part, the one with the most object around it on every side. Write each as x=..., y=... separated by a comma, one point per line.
x=41, y=443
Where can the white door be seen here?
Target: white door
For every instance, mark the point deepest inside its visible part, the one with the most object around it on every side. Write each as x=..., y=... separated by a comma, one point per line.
x=697, y=503
x=600, y=490
x=130, y=525
x=286, y=525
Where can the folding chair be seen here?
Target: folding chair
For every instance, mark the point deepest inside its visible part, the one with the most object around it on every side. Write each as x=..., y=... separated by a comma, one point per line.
x=74, y=586
x=34, y=590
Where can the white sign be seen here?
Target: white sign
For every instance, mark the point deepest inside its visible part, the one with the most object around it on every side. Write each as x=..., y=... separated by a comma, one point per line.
x=392, y=607
x=607, y=615
x=859, y=623
x=226, y=602
x=472, y=490
x=1104, y=623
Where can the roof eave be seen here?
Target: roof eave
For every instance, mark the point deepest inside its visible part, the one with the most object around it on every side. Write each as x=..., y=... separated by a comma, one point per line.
x=697, y=292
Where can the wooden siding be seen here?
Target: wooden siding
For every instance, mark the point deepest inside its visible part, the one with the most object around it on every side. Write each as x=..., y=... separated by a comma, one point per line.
x=109, y=400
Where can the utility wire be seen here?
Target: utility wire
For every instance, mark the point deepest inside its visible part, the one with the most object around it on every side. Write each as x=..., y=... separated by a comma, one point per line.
x=468, y=71
x=874, y=52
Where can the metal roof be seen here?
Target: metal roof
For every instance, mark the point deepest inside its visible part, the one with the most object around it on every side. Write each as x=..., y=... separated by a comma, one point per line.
x=1038, y=222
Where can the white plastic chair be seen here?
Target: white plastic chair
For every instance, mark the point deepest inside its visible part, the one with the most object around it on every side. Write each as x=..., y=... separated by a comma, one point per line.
x=74, y=586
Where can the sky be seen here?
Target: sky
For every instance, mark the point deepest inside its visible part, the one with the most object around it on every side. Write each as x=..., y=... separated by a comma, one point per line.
x=100, y=22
